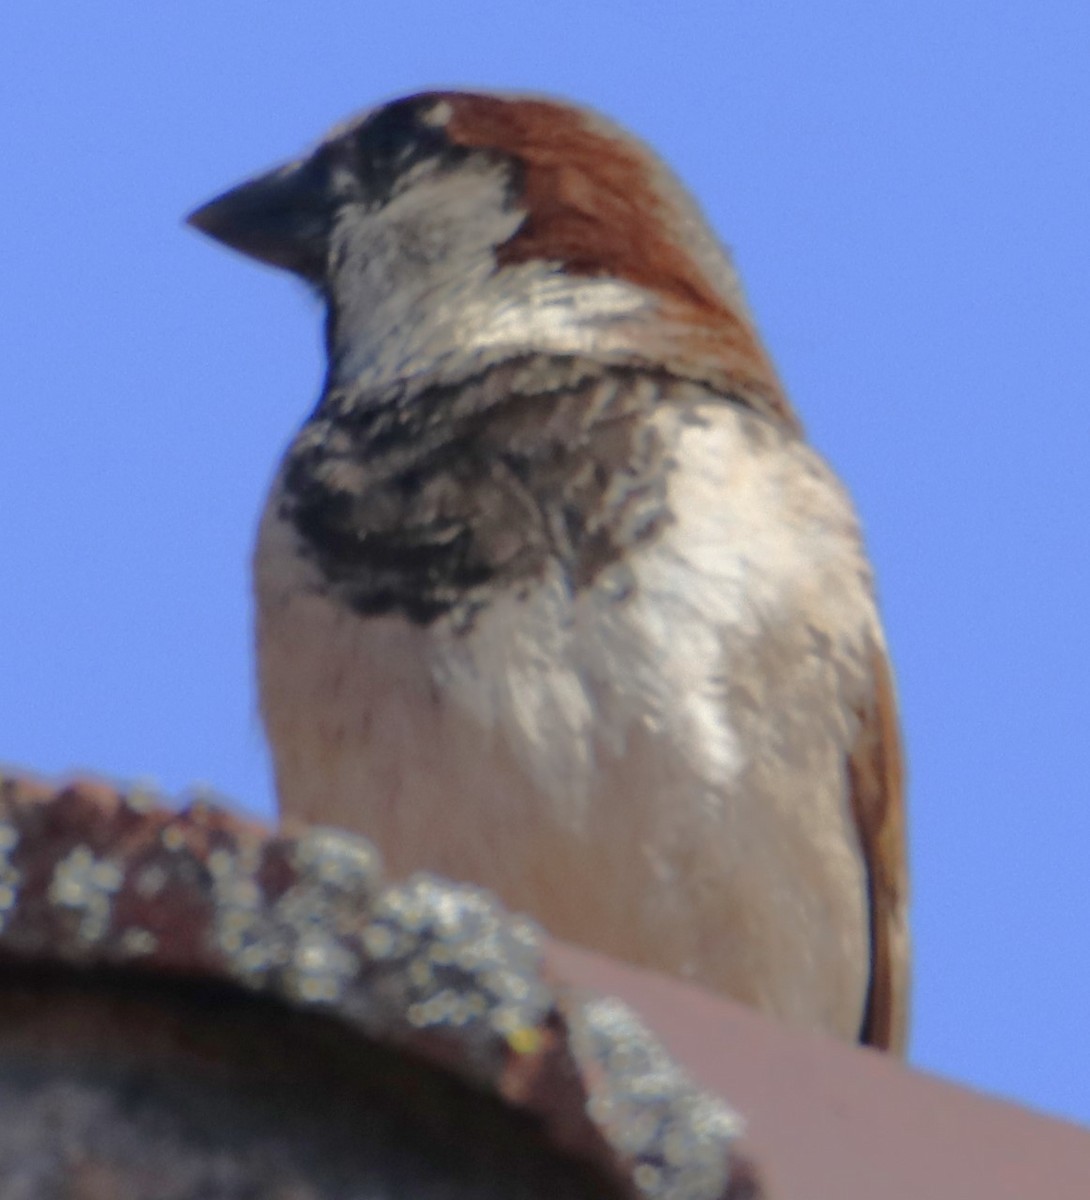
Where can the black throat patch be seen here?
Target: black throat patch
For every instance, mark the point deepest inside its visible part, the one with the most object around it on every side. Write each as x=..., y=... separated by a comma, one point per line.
x=428, y=503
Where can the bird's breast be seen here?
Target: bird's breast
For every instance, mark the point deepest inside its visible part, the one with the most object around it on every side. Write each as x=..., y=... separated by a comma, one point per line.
x=652, y=764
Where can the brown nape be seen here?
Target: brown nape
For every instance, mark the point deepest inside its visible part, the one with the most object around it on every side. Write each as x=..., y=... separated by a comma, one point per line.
x=594, y=206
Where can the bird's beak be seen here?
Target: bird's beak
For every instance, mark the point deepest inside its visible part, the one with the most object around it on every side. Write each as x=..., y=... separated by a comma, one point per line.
x=281, y=218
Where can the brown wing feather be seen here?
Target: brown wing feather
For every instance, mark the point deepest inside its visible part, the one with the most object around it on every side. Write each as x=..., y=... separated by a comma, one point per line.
x=877, y=792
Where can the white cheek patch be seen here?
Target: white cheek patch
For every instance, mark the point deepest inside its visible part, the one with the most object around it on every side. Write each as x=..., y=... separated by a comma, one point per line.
x=417, y=290
x=553, y=311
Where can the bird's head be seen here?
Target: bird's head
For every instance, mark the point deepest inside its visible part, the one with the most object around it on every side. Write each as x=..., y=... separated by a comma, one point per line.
x=450, y=230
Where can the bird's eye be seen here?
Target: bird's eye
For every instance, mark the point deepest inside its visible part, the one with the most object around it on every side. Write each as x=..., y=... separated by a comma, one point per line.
x=398, y=138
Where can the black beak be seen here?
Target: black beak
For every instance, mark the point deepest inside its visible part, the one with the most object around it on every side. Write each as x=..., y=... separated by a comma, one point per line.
x=281, y=218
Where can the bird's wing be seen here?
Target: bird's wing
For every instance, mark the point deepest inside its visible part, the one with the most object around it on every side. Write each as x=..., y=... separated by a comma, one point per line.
x=877, y=793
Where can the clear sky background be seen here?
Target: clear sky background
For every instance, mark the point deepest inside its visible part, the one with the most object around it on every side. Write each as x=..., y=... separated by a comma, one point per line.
x=907, y=191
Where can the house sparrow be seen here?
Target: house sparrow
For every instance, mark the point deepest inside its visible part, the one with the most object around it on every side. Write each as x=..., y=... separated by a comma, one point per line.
x=551, y=593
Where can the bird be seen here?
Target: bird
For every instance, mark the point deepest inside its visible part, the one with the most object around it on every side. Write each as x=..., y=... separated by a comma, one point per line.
x=552, y=594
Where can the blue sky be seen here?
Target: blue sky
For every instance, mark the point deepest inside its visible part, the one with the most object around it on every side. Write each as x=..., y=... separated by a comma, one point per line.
x=907, y=191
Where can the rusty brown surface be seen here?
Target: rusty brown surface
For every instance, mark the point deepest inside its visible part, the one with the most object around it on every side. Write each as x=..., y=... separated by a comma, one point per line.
x=117, y=1088
x=480, y=1038
x=99, y=884
x=832, y=1122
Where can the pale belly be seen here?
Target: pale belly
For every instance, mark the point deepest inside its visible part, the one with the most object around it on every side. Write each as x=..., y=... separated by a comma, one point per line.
x=607, y=766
